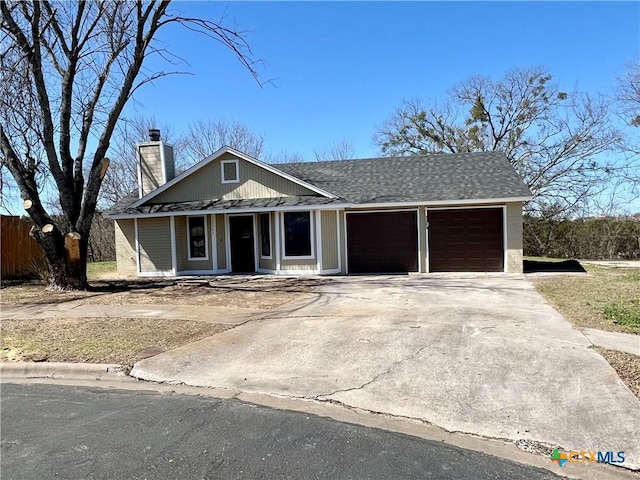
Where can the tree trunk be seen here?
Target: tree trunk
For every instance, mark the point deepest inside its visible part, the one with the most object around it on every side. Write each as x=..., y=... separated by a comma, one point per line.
x=66, y=272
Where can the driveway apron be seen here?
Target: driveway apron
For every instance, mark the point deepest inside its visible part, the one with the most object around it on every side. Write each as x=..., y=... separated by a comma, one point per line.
x=480, y=354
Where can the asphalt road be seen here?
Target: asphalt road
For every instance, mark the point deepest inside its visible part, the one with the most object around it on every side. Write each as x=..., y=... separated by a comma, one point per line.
x=51, y=431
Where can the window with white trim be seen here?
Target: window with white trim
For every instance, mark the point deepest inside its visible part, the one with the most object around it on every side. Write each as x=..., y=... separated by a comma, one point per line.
x=265, y=235
x=197, y=238
x=297, y=234
x=229, y=171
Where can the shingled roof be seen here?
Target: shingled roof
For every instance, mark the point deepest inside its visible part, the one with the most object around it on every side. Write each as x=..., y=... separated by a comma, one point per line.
x=424, y=178
x=430, y=178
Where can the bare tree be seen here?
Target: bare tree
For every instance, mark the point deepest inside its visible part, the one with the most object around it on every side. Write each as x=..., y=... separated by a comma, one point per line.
x=343, y=149
x=553, y=138
x=203, y=137
x=284, y=156
x=68, y=69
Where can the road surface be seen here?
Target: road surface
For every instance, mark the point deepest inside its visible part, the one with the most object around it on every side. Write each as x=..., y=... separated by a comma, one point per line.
x=52, y=431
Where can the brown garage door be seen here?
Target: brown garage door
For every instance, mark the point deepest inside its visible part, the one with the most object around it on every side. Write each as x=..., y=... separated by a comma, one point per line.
x=466, y=240
x=382, y=242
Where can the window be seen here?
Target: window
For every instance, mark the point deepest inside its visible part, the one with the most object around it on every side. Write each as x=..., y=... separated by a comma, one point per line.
x=297, y=234
x=265, y=236
x=229, y=171
x=197, y=238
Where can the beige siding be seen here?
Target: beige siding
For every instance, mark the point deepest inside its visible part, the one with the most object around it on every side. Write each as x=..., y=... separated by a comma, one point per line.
x=154, y=238
x=267, y=263
x=150, y=167
x=329, y=240
x=255, y=182
x=221, y=242
x=296, y=265
x=182, y=247
x=343, y=242
x=514, y=237
x=125, y=237
x=422, y=245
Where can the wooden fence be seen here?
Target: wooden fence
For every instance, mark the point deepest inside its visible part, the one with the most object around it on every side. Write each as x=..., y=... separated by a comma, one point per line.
x=19, y=252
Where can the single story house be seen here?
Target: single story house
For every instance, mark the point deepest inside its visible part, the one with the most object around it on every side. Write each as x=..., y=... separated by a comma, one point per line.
x=233, y=213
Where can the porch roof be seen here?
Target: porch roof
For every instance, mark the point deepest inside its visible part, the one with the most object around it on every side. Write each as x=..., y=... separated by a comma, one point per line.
x=244, y=205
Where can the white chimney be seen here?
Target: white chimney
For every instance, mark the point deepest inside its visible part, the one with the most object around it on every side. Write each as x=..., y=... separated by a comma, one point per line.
x=156, y=165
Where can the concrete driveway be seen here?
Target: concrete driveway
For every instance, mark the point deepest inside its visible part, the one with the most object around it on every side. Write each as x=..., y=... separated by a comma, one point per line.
x=481, y=354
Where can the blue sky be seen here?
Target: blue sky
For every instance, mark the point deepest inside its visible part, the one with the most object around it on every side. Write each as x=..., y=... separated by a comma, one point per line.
x=340, y=68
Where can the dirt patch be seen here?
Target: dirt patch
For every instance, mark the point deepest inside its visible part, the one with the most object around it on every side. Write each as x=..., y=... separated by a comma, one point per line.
x=225, y=291
x=606, y=298
x=627, y=367
x=97, y=340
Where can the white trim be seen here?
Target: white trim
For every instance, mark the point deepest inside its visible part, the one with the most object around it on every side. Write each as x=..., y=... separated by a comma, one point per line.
x=265, y=257
x=299, y=272
x=222, y=164
x=442, y=203
x=346, y=244
x=174, y=260
x=214, y=242
x=330, y=271
x=338, y=240
x=504, y=237
x=238, y=211
x=135, y=226
x=426, y=239
x=139, y=169
x=319, y=241
x=196, y=272
x=419, y=239
x=256, y=253
x=158, y=273
x=276, y=231
x=219, y=153
x=206, y=240
x=311, y=240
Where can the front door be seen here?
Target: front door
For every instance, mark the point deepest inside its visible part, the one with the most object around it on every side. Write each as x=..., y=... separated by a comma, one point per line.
x=242, y=245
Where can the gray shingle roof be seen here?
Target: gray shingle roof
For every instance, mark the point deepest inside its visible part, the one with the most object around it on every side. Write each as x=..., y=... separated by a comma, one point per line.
x=425, y=178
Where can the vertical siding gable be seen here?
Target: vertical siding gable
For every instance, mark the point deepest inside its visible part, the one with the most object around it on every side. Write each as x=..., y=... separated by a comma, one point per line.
x=206, y=184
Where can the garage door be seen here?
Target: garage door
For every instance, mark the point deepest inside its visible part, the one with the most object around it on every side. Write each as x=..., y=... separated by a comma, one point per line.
x=382, y=242
x=466, y=240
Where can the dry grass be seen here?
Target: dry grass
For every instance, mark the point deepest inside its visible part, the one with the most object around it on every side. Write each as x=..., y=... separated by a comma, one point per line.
x=606, y=298
x=97, y=340
x=627, y=367
x=228, y=291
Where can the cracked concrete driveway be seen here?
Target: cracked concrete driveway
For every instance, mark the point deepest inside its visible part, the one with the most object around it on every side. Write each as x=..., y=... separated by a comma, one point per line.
x=481, y=354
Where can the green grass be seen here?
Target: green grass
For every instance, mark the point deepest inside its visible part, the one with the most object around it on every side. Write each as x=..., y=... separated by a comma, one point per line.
x=607, y=298
x=99, y=268
x=544, y=259
x=624, y=313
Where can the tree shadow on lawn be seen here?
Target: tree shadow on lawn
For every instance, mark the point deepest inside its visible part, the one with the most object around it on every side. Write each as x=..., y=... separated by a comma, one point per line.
x=565, y=266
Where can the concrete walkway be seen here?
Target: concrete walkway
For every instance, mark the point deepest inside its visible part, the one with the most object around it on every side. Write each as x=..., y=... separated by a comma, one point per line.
x=77, y=309
x=622, y=342
x=479, y=354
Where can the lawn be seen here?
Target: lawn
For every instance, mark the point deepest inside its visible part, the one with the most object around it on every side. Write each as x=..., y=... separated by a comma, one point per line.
x=605, y=298
x=97, y=340
x=126, y=340
x=98, y=269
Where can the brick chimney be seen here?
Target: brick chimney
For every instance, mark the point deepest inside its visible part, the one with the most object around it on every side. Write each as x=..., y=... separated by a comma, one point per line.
x=156, y=165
